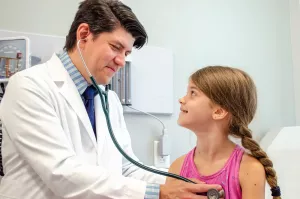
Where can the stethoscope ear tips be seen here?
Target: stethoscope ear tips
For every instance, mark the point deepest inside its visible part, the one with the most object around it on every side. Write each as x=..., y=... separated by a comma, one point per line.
x=215, y=194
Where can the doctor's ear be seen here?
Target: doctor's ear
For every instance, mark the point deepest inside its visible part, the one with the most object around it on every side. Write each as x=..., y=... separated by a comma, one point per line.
x=83, y=32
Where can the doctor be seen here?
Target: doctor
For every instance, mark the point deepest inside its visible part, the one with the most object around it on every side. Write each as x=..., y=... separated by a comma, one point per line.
x=53, y=147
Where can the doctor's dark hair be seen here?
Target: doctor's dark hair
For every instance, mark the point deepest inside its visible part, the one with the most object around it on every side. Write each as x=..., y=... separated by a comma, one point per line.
x=235, y=91
x=106, y=16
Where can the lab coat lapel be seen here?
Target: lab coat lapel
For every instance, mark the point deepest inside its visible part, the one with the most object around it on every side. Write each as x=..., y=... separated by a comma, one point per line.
x=68, y=90
x=102, y=130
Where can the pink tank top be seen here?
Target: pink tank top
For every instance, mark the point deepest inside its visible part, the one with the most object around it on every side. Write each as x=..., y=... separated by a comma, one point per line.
x=227, y=177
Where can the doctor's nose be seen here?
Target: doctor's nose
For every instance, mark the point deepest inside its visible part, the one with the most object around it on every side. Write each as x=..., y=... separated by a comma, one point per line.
x=120, y=60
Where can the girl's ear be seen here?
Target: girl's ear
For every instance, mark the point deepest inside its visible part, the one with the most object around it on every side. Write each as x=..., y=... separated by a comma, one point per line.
x=219, y=113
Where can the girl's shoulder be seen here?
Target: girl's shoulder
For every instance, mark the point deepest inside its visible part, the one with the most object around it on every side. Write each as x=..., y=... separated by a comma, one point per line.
x=177, y=164
x=249, y=162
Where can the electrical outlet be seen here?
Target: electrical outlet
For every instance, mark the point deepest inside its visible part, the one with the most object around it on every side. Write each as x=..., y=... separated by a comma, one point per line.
x=160, y=161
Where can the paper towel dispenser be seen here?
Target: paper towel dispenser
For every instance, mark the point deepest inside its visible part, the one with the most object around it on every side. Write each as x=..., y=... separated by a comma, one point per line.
x=121, y=84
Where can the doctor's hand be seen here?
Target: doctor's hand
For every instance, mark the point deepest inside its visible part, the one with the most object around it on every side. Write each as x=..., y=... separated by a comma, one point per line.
x=184, y=190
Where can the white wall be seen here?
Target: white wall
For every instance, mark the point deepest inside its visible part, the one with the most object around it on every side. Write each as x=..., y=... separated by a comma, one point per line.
x=253, y=35
x=45, y=17
x=295, y=35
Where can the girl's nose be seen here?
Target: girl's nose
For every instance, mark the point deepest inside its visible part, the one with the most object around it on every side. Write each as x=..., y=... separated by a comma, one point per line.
x=181, y=100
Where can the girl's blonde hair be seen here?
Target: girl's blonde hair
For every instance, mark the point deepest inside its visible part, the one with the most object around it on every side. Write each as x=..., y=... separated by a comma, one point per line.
x=235, y=91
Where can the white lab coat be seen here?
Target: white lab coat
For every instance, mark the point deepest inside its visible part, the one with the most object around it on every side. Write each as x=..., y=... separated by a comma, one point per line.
x=49, y=148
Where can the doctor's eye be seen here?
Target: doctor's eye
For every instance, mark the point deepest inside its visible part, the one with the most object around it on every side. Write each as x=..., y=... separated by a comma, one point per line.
x=114, y=47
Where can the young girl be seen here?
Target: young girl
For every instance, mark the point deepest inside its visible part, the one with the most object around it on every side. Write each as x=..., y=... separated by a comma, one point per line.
x=222, y=101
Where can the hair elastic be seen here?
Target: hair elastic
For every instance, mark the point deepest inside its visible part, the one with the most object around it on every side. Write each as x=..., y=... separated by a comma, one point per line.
x=276, y=191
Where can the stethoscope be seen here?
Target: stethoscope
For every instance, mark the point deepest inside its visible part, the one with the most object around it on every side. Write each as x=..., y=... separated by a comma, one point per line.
x=211, y=194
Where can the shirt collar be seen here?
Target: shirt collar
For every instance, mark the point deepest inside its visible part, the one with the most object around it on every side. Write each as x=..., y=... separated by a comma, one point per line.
x=79, y=81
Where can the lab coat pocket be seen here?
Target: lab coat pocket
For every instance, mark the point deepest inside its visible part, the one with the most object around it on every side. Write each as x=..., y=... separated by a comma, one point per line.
x=121, y=137
x=114, y=157
x=11, y=188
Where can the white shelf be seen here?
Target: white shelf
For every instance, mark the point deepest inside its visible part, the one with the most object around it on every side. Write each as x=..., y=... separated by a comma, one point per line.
x=3, y=80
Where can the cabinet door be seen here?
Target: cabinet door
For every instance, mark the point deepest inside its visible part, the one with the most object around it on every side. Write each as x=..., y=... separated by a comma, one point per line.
x=295, y=40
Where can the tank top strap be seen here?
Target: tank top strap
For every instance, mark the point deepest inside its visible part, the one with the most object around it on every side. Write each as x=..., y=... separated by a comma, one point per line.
x=187, y=163
x=235, y=162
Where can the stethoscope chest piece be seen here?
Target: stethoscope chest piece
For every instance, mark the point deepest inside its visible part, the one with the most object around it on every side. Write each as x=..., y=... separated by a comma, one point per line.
x=214, y=194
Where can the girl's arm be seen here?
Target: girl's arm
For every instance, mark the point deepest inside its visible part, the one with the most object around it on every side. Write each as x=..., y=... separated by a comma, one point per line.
x=252, y=178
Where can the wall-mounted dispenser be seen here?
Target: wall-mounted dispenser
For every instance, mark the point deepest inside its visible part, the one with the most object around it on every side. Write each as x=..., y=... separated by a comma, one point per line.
x=121, y=84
